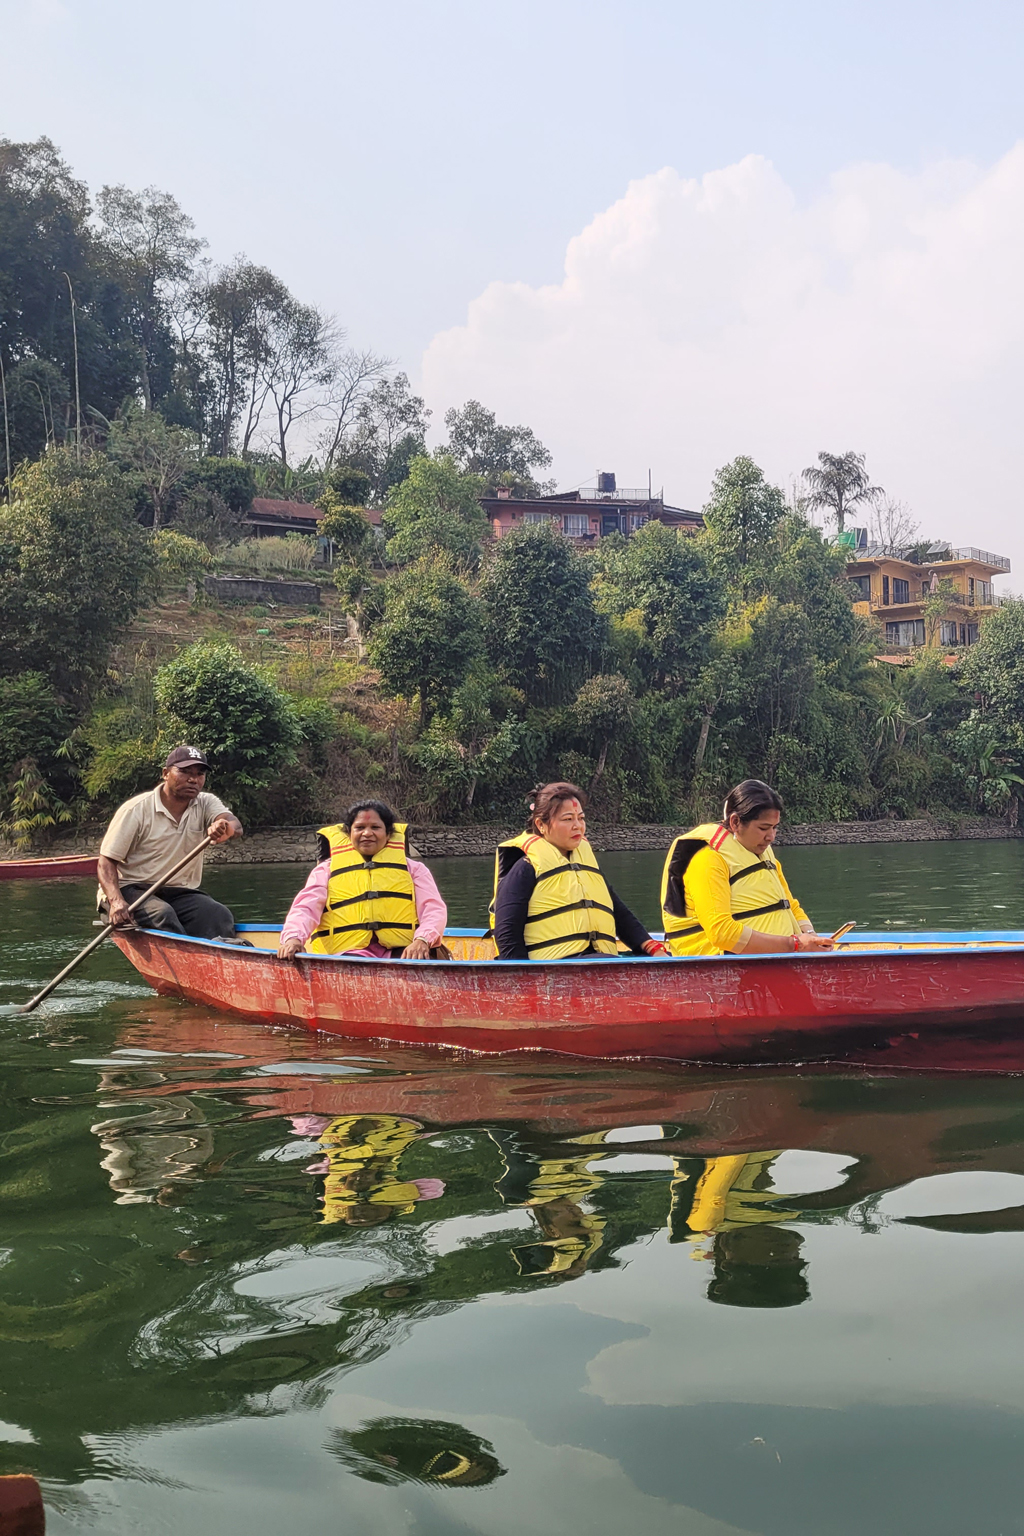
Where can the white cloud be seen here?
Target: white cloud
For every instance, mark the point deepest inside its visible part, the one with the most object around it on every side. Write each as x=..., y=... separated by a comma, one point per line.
x=700, y=319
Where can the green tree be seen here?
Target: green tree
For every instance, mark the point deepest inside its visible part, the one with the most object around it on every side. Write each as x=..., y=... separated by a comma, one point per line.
x=501, y=456
x=59, y=305
x=237, y=305
x=34, y=721
x=345, y=526
x=181, y=561
x=543, y=631
x=388, y=435
x=476, y=745
x=429, y=636
x=38, y=398
x=839, y=484
x=74, y=567
x=742, y=517
x=229, y=479
x=160, y=457
x=233, y=712
x=993, y=669
x=987, y=764
x=805, y=569
x=351, y=486
x=604, y=712
x=662, y=587
x=152, y=251
x=939, y=604
x=436, y=510
x=31, y=805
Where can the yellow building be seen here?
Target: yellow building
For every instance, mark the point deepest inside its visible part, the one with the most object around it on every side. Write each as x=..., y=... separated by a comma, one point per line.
x=894, y=591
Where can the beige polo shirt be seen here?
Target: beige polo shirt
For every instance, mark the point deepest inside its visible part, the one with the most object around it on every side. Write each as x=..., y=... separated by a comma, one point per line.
x=144, y=840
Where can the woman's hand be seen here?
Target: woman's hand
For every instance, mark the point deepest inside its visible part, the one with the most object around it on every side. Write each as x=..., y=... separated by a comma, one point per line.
x=419, y=949
x=289, y=948
x=655, y=947
x=813, y=942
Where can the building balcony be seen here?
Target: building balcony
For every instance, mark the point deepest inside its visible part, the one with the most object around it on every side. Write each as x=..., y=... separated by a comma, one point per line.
x=914, y=609
x=981, y=557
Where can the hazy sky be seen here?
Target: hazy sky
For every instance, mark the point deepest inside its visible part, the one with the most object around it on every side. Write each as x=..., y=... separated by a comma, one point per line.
x=660, y=233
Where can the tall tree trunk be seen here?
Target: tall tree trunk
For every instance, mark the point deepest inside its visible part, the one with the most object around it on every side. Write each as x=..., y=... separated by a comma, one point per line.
x=702, y=744
x=602, y=759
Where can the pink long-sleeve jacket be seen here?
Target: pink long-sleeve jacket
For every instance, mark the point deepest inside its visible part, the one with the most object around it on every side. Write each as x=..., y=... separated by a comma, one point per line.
x=307, y=909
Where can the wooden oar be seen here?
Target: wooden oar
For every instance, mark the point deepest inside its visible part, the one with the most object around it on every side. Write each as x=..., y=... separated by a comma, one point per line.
x=108, y=928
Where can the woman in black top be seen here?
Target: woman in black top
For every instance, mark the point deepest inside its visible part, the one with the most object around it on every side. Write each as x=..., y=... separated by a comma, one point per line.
x=556, y=817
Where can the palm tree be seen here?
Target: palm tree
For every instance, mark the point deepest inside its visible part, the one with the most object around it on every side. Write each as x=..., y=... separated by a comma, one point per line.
x=839, y=482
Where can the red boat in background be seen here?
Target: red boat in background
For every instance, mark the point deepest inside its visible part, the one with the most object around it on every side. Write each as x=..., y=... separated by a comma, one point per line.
x=728, y=1008
x=73, y=866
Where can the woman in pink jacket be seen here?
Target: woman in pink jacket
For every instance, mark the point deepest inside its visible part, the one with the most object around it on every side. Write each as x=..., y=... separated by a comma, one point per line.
x=368, y=825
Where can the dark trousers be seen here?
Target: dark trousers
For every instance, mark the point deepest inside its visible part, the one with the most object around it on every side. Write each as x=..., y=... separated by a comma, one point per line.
x=182, y=911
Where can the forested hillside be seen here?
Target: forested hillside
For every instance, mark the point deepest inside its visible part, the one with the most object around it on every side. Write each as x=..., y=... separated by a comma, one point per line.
x=148, y=397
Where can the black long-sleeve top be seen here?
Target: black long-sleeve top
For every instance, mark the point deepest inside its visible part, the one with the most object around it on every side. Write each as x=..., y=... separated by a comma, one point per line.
x=510, y=911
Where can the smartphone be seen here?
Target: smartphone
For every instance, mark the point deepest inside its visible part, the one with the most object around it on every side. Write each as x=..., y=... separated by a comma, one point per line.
x=841, y=932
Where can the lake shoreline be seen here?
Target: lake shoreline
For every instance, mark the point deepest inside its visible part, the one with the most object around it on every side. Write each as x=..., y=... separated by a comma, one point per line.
x=297, y=845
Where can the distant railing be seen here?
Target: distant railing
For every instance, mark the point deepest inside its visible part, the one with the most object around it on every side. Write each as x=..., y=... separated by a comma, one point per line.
x=623, y=493
x=983, y=556
x=957, y=599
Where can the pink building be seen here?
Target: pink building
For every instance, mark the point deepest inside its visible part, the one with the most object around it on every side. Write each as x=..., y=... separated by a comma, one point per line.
x=589, y=514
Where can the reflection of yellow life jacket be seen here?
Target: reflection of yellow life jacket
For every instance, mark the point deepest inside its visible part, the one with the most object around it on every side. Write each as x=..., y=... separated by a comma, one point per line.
x=572, y=1236
x=571, y=907
x=367, y=899
x=755, y=887
x=726, y=1195
x=362, y=1156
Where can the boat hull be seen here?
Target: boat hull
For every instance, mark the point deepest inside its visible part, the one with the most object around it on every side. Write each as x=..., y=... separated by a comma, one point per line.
x=727, y=1008
x=76, y=866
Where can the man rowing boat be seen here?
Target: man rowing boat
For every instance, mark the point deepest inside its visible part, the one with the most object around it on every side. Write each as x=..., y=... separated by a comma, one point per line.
x=149, y=833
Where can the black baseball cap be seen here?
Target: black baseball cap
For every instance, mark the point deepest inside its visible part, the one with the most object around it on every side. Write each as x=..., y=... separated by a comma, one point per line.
x=186, y=757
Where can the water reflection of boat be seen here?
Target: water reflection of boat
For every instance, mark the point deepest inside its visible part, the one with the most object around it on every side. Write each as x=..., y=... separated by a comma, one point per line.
x=226, y=1285
x=892, y=1129
x=718, y=1008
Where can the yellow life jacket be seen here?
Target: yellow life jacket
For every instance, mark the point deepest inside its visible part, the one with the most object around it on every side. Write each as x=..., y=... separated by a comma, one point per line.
x=755, y=887
x=571, y=906
x=367, y=899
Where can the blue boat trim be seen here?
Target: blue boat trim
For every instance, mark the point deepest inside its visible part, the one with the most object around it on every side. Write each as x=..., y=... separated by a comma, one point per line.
x=995, y=941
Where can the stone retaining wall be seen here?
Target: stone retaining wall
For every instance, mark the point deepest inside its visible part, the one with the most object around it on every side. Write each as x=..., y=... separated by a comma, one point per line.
x=297, y=845
x=259, y=589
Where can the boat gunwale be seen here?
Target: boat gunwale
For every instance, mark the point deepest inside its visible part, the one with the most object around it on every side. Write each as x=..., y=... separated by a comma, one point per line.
x=965, y=943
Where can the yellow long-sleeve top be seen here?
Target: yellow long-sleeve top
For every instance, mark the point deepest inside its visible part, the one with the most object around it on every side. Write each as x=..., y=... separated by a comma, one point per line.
x=706, y=883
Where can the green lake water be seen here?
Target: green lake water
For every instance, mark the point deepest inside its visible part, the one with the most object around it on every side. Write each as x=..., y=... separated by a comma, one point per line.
x=525, y=1296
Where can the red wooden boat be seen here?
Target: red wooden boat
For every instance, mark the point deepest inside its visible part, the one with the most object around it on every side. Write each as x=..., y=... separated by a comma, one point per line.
x=720, y=1008
x=74, y=865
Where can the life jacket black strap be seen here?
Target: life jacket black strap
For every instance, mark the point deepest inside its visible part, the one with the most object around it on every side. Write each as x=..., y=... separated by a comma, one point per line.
x=573, y=906
x=751, y=869
x=347, y=901
x=366, y=864
x=570, y=938
x=775, y=906
x=327, y=933
x=567, y=868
